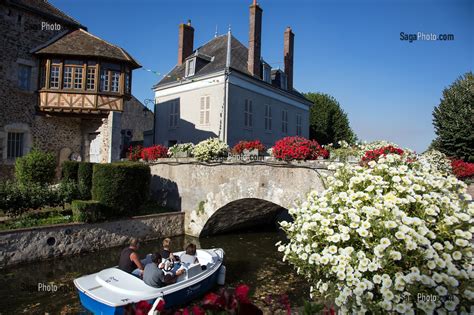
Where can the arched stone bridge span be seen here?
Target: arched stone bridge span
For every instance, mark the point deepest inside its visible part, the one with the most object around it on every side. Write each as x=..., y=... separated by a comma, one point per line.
x=225, y=196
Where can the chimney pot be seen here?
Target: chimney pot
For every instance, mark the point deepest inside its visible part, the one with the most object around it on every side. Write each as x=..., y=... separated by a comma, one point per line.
x=185, y=42
x=255, y=39
x=288, y=51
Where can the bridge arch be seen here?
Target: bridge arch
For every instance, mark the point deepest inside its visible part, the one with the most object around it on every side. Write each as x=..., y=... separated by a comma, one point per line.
x=205, y=192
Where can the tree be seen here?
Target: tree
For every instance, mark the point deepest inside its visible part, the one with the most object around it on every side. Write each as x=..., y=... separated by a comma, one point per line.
x=328, y=123
x=453, y=119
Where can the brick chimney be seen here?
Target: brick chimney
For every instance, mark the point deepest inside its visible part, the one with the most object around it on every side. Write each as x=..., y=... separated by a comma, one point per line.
x=186, y=41
x=255, y=39
x=288, y=56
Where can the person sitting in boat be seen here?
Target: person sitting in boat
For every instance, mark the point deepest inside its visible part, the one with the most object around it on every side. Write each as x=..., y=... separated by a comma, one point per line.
x=166, y=252
x=129, y=261
x=189, y=257
x=153, y=274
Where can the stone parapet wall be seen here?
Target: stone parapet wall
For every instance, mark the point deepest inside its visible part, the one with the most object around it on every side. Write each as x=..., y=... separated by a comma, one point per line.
x=26, y=245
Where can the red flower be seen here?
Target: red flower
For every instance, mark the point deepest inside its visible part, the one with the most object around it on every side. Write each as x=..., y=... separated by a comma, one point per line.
x=242, y=293
x=298, y=148
x=154, y=152
x=462, y=169
x=213, y=301
x=373, y=155
x=142, y=308
x=161, y=305
x=198, y=310
x=248, y=145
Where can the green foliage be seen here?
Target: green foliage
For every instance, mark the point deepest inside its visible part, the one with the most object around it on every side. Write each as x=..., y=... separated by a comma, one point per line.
x=122, y=187
x=84, y=178
x=453, y=119
x=67, y=191
x=311, y=308
x=69, y=170
x=16, y=198
x=328, y=122
x=35, y=167
x=88, y=211
x=31, y=221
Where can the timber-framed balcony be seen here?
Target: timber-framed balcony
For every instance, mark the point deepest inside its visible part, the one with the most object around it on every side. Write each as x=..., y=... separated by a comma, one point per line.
x=81, y=73
x=83, y=86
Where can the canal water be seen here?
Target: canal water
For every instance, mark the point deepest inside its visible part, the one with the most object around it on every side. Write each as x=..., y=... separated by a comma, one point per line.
x=250, y=258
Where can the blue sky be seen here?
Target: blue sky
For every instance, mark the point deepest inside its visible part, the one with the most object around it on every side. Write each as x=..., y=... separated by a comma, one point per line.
x=348, y=49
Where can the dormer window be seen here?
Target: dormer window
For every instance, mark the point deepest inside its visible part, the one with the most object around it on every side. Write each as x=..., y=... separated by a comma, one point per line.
x=267, y=72
x=283, y=81
x=190, y=67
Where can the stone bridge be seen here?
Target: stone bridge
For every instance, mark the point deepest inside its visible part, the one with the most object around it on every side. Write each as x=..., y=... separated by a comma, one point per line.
x=222, y=197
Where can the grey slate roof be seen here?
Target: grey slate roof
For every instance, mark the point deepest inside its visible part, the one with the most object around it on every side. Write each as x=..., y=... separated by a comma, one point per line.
x=217, y=48
x=83, y=43
x=46, y=9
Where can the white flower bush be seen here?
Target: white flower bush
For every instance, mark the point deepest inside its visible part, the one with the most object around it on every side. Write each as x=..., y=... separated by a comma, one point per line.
x=438, y=159
x=393, y=236
x=210, y=149
x=181, y=148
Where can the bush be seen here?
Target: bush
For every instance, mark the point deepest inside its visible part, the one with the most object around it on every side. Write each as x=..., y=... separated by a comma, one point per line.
x=210, y=149
x=462, y=170
x=67, y=191
x=88, y=211
x=248, y=145
x=69, y=170
x=15, y=198
x=123, y=187
x=154, y=152
x=298, y=148
x=438, y=160
x=181, y=150
x=84, y=179
x=382, y=234
x=35, y=167
x=134, y=153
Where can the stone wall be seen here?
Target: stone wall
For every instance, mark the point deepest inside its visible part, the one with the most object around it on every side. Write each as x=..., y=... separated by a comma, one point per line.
x=28, y=245
x=202, y=190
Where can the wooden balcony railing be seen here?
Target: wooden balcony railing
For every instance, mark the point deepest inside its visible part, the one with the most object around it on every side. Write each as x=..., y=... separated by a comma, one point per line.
x=79, y=102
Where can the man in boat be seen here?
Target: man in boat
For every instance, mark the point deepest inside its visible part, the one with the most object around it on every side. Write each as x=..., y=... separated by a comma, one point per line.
x=129, y=260
x=154, y=275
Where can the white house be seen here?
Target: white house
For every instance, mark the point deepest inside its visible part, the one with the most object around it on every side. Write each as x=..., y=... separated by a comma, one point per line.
x=224, y=89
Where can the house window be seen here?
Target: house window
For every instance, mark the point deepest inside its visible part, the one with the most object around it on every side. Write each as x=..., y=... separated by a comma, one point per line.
x=284, y=121
x=78, y=78
x=267, y=73
x=91, y=78
x=15, y=145
x=67, y=77
x=205, y=109
x=54, y=77
x=248, y=119
x=298, y=124
x=115, y=81
x=24, y=77
x=174, y=114
x=190, y=67
x=104, y=80
x=268, y=118
x=283, y=81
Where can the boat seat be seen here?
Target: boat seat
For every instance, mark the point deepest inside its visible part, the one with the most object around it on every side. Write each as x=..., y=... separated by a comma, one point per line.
x=194, y=270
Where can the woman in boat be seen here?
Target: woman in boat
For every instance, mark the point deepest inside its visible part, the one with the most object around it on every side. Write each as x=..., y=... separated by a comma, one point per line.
x=129, y=260
x=155, y=276
x=190, y=256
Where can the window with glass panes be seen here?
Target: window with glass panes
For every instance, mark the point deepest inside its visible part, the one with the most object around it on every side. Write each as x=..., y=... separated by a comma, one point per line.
x=284, y=121
x=174, y=114
x=298, y=124
x=248, y=114
x=54, y=75
x=14, y=144
x=268, y=117
x=24, y=77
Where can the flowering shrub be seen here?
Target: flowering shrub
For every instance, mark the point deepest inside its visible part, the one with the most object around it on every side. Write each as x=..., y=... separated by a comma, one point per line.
x=154, y=152
x=181, y=148
x=438, y=160
x=462, y=169
x=298, y=148
x=134, y=153
x=210, y=149
x=248, y=145
x=374, y=155
x=382, y=234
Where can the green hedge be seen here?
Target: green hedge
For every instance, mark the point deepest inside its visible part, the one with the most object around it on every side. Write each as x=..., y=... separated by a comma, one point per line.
x=122, y=187
x=69, y=170
x=88, y=211
x=84, y=178
x=35, y=167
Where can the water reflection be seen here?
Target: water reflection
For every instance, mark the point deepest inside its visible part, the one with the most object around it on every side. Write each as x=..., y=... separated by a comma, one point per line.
x=250, y=258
